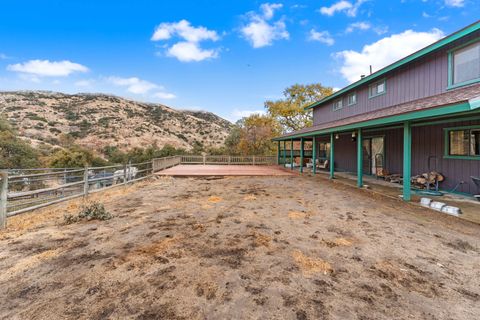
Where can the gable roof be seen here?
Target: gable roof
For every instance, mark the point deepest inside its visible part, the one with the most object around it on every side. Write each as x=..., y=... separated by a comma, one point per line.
x=467, y=97
x=420, y=53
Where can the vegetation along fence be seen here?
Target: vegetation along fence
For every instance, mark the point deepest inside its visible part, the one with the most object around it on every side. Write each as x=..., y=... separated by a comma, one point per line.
x=23, y=190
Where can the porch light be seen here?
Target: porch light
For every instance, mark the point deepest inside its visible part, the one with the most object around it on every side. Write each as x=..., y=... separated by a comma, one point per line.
x=353, y=134
x=337, y=136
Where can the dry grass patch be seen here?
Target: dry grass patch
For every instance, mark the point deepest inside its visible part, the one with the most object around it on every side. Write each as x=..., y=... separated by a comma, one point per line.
x=310, y=265
x=214, y=199
x=338, y=242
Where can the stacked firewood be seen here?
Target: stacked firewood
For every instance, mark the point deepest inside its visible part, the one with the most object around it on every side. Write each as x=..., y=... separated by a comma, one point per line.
x=425, y=180
x=394, y=178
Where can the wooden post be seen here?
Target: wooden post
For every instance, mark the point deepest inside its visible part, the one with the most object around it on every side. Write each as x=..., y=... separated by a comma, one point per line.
x=359, y=159
x=332, y=156
x=284, y=152
x=129, y=171
x=125, y=174
x=314, y=155
x=3, y=199
x=85, y=182
x=407, y=161
x=278, y=152
x=253, y=160
x=204, y=159
x=229, y=160
x=301, y=154
x=291, y=154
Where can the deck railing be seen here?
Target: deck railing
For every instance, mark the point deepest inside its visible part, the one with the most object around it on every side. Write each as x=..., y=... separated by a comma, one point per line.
x=23, y=190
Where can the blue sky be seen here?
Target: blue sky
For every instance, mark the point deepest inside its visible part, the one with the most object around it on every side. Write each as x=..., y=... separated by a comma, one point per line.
x=227, y=57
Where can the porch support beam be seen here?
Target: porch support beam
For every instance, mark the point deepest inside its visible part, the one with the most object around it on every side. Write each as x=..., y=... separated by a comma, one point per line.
x=332, y=157
x=314, y=155
x=359, y=158
x=291, y=154
x=284, y=153
x=407, y=160
x=278, y=152
x=302, y=142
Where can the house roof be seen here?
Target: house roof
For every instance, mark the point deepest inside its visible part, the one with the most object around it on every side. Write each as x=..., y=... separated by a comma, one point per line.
x=416, y=55
x=468, y=97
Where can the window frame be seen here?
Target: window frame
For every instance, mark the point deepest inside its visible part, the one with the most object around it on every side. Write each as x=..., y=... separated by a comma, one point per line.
x=447, y=154
x=376, y=83
x=335, y=102
x=451, y=52
x=349, y=95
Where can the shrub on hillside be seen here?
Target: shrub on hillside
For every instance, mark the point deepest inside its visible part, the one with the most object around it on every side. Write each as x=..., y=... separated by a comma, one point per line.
x=91, y=211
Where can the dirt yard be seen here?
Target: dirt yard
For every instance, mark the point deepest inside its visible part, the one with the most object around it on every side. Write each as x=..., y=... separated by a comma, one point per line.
x=241, y=248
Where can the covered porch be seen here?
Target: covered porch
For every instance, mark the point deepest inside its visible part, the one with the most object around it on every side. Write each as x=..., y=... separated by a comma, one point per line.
x=405, y=141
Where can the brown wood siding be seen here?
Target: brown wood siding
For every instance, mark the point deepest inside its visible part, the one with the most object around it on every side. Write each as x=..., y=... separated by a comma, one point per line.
x=423, y=78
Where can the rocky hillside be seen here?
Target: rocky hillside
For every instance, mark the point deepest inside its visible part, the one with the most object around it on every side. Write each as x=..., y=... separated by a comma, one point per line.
x=98, y=120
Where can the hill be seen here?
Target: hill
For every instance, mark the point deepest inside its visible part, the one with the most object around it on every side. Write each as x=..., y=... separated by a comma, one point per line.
x=98, y=120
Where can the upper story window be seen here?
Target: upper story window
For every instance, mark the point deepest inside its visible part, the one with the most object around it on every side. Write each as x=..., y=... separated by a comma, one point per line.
x=337, y=104
x=352, y=99
x=465, y=65
x=377, y=88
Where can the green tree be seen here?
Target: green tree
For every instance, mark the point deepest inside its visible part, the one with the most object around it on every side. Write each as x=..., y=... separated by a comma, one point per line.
x=14, y=152
x=290, y=112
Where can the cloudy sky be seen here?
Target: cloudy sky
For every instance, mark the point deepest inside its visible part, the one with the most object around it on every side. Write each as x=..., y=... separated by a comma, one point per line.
x=227, y=57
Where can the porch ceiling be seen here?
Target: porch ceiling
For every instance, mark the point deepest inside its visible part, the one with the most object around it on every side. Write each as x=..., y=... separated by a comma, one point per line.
x=451, y=102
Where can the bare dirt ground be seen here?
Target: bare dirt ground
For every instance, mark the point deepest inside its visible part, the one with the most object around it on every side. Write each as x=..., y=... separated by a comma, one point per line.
x=241, y=248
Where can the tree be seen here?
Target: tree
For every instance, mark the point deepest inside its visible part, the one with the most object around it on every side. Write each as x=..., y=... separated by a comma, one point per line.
x=14, y=152
x=290, y=112
x=74, y=157
x=256, y=133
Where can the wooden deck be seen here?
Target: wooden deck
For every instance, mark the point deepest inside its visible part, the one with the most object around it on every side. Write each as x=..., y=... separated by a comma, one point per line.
x=224, y=170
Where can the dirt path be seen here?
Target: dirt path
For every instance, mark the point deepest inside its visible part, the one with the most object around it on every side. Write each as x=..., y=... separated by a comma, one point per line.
x=242, y=248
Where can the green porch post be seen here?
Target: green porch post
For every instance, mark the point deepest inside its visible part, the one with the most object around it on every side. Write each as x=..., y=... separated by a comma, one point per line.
x=314, y=155
x=332, y=157
x=301, y=154
x=291, y=154
x=407, y=160
x=284, y=152
x=359, y=158
x=278, y=152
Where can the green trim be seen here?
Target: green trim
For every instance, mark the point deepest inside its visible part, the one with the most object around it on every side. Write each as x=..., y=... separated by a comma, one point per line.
x=284, y=152
x=407, y=161
x=429, y=123
x=359, y=158
x=474, y=103
x=376, y=83
x=278, y=152
x=332, y=156
x=451, y=52
x=446, y=147
x=416, y=115
x=301, y=154
x=314, y=155
x=437, y=45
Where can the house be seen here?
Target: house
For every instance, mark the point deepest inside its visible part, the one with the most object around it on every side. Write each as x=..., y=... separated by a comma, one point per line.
x=419, y=114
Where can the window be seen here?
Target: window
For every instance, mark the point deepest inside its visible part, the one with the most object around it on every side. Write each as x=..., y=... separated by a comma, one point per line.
x=465, y=65
x=338, y=104
x=377, y=88
x=352, y=99
x=464, y=142
x=324, y=150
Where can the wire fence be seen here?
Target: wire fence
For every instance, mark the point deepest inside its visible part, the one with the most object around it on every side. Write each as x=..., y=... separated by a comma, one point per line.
x=23, y=190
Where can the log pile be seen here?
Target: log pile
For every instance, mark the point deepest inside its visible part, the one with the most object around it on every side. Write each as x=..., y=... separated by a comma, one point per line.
x=394, y=178
x=428, y=179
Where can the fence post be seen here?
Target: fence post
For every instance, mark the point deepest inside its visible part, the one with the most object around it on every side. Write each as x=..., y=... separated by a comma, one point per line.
x=124, y=174
x=229, y=160
x=204, y=159
x=85, y=182
x=3, y=199
x=129, y=171
x=253, y=160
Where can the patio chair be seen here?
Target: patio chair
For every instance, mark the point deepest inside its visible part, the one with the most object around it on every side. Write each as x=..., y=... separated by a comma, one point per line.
x=323, y=165
x=476, y=180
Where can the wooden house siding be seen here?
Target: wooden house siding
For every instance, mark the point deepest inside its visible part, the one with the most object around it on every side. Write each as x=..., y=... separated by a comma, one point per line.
x=423, y=78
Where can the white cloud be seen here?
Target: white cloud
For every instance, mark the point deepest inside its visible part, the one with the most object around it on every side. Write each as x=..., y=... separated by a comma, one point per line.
x=321, y=36
x=188, y=49
x=348, y=7
x=260, y=31
x=133, y=84
x=164, y=95
x=83, y=83
x=358, y=26
x=384, y=52
x=238, y=114
x=47, y=68
x=455, y=3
